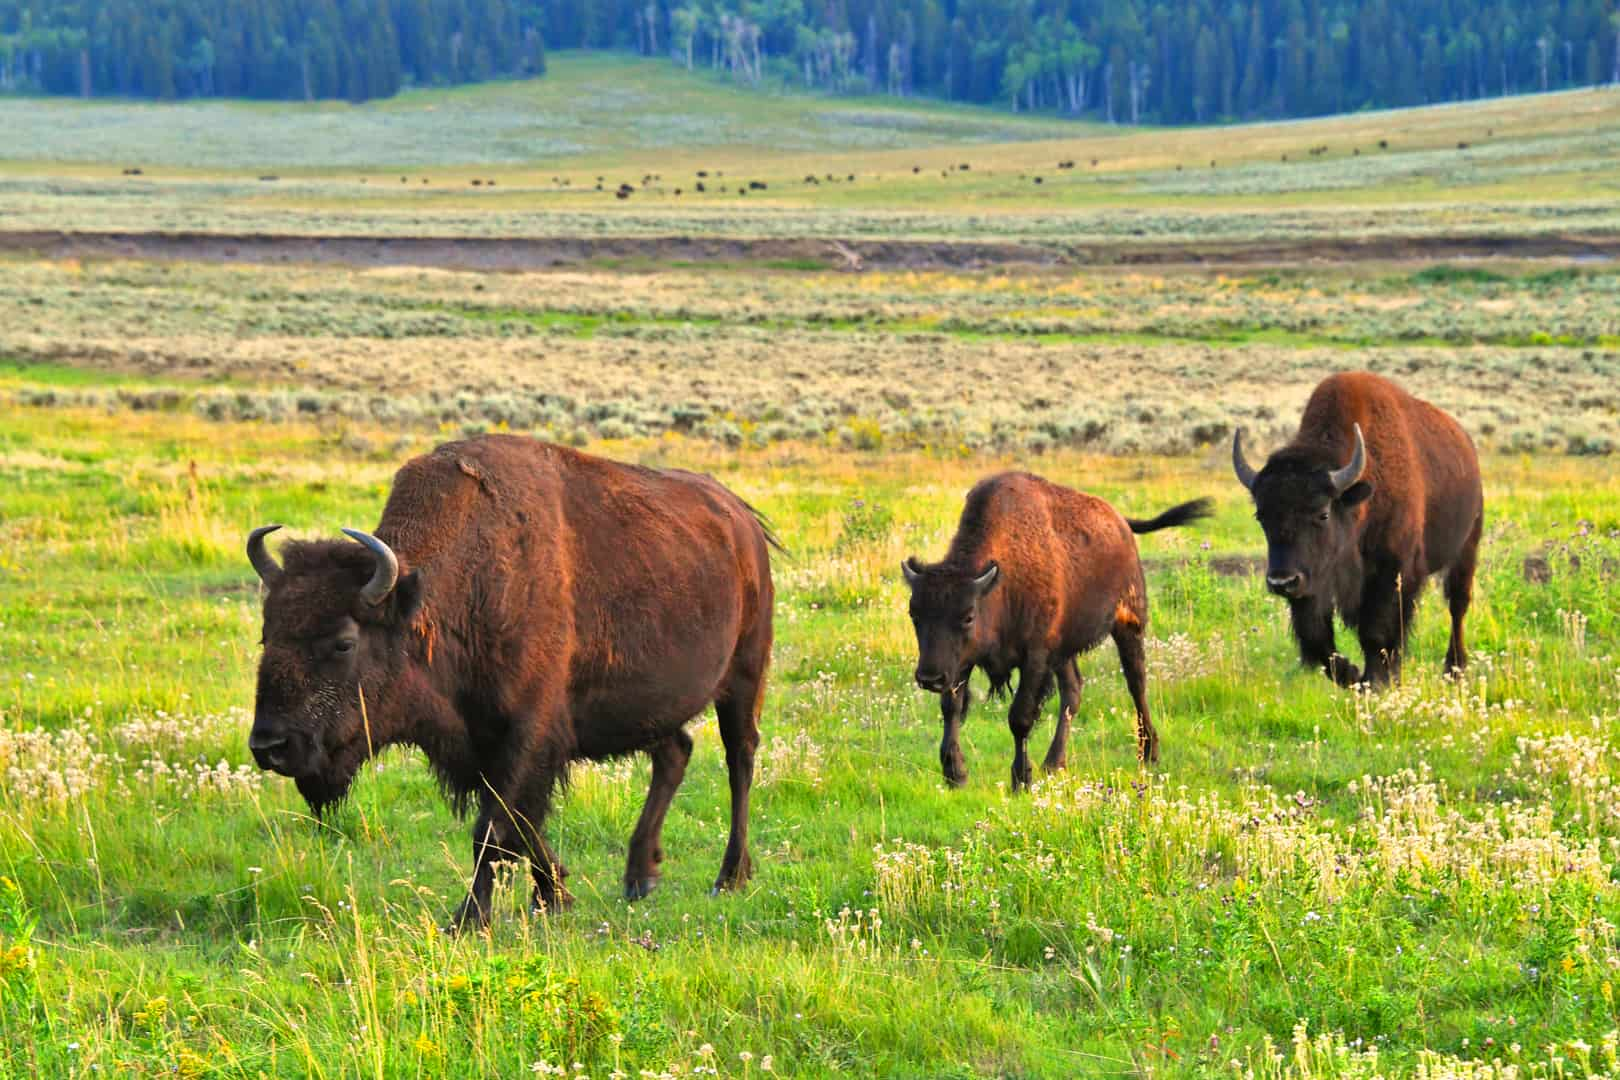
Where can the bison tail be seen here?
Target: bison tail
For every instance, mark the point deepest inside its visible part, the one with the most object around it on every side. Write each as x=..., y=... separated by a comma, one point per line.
x=1176, y=515
x=766, y=528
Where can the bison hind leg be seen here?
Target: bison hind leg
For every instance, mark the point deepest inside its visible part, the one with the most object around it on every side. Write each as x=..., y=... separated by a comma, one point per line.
x=669, y=758
x=1459, y=588
x=737, y=711
x=1133, y=663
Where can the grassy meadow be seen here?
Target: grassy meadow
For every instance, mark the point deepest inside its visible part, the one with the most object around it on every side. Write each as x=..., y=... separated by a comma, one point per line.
x=544, y=158
x=1416, y=877
x=1312, y=883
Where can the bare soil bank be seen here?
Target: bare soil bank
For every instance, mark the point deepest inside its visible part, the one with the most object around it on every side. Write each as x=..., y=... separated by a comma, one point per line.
x=482, y=253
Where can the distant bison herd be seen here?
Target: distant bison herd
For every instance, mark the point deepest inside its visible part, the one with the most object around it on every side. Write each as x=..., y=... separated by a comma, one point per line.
x=521, y=606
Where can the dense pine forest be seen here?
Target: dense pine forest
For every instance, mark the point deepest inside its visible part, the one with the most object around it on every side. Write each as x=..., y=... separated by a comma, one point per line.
x=1125, y=61
x=300, y=49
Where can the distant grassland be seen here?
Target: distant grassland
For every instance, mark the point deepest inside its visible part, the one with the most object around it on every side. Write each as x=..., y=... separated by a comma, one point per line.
x=546, y=157
x=1527, y=356
x=590, y=107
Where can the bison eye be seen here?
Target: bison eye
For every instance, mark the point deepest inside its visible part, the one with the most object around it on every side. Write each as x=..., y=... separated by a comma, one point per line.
x=1321, y=518
x=967, y=620
x=343, y=646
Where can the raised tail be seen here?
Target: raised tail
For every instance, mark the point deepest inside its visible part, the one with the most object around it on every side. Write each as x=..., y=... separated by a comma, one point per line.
x=1176, y=515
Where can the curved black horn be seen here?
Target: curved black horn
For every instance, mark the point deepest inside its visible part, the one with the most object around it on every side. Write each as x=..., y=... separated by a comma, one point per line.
x=382, y=582
x=1343, y=478
x=1240, y=465
x=988, y=578
x=910, y=569
x=263, y=562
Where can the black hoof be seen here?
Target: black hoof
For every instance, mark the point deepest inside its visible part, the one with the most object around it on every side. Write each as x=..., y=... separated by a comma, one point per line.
x=639, y=888
x=735, y=880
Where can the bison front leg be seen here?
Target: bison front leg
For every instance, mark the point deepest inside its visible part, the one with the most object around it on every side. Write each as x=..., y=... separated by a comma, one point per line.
x=504, y=832
x=550, y=895
x=1313, y=631
x=953, y=707
x=669, y=759
x=1034, y=683
x=493, y=843
x=1387, y=605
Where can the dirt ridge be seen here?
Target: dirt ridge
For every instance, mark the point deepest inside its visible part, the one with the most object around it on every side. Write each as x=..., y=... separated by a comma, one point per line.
x=539, y=253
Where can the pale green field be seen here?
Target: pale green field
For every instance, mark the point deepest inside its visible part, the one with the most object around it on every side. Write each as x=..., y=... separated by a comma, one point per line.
x=1532, y=165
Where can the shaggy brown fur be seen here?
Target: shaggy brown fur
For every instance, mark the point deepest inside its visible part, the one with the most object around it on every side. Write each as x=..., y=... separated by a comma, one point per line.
x=1364, y=544
x=1036, y=575
x=549, y=607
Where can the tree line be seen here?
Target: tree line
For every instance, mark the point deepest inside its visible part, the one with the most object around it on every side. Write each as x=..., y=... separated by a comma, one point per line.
x=291, y=49
x=1129, y=61
x=1136, y=61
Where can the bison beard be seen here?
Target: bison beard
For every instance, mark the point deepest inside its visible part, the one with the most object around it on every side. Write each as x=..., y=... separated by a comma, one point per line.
x=1377, y=492
x=1035, y=575
x=522, y=606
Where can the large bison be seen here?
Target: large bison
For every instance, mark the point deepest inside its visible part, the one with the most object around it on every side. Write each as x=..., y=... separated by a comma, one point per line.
x=1377, y=491
x=1035, y=575
x=522, y=606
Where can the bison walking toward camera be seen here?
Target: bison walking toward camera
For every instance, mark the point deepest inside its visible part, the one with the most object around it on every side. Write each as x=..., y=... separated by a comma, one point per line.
x=522, y=606
x=1035, y=575
x=1376, y=492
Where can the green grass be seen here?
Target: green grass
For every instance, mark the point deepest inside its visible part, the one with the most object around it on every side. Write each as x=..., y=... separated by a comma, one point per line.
x=1115, y=921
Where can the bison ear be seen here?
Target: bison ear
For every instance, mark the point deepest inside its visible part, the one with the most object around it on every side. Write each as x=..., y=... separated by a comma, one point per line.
x=405, y=601
x=1356, y=494
x=911, y=570
x=985, y=581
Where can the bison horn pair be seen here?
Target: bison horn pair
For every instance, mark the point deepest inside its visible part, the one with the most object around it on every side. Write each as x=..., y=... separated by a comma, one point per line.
x=1340, y=478
x=376, y=590
x=914, y=573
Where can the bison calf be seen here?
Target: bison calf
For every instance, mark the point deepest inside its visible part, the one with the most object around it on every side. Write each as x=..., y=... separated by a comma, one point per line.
x=1035, y=575
x=1377, y=491
x=522, y=606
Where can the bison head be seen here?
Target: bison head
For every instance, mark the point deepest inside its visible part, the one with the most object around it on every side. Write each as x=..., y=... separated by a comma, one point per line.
x=1306, y=508
x=945, y=610
x=334, y=616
